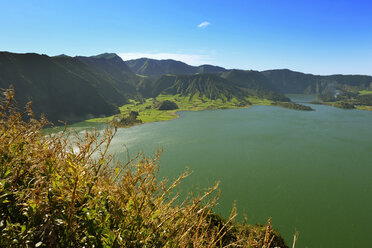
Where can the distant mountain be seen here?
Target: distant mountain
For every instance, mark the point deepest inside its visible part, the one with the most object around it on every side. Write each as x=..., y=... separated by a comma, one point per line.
x=155, y=68
x=152, y=67
x=282, y=81
x=210, y=69
x=255, y=83
x=68, y=88
x=287, y=81
x=212, y=86
x=113, y=69
x=76, y=88
x=247, y=79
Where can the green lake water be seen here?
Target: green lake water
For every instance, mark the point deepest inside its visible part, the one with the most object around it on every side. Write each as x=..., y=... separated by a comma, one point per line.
x=309, y=171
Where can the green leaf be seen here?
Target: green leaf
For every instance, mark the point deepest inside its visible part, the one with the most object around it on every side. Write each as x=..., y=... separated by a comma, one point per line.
x=155, y=214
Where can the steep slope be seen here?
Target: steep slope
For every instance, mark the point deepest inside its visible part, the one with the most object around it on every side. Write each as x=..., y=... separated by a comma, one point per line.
x=208, y=85
x=113, y=69
x=361, y=81
x=152, y=67
x=234, y=83
x=247, y=79
x=155, y=68
x=144, y=87
x=287, y=81
x=76, y=88
x=255, y=83
x=62, y=87
x=282, y=81
x=104, y=86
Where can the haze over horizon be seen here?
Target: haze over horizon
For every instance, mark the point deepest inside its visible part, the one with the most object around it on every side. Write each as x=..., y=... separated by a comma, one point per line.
x=318, y=37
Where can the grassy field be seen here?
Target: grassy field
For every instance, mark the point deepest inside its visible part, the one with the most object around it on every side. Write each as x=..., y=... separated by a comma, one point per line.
x=360, y=107
x=149, y=114
x=365, y=92
x=352, y=101
x=364, y=107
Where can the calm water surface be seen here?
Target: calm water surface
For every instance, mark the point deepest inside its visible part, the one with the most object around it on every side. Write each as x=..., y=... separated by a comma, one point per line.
x=309, y=171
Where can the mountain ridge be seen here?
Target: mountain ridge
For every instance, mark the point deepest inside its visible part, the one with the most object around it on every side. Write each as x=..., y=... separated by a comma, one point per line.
x=81, y=87
x=154, y=68
x=284, y=81
x=62, y=87
x=209, y=85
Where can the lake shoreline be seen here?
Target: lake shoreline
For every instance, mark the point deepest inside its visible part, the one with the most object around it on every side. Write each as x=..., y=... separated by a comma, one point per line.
x=147, y=114
x=270, y=151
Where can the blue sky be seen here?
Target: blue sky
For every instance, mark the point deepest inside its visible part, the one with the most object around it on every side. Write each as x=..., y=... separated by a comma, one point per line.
x=313, y=36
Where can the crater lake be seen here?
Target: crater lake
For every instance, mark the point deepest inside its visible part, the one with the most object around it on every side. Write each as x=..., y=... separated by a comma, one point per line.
x=308, y=170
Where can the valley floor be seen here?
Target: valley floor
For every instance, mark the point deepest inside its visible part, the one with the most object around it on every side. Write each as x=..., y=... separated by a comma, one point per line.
x=148, y=113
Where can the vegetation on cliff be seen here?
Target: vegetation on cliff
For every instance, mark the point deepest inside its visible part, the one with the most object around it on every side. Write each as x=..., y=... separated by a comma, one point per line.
x=54, y=193
x=209, y=85
x=292, y=82
x=347, y=99
x=68, y=88
x=154, y=68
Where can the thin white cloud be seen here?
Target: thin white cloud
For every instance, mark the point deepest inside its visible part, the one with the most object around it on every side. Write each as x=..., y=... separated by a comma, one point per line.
x=204, y=24
x=191, y=59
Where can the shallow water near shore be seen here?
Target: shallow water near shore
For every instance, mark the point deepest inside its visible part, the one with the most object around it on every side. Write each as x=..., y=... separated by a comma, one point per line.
x=309, y=171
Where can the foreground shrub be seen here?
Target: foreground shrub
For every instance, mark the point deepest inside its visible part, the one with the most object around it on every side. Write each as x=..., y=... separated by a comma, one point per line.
x=55, y=193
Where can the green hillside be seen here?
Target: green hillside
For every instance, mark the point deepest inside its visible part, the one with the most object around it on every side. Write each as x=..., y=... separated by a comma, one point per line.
x=209, y=85
x=287, y=81
x=145, y=87
x=234, y=83
x=255, y=83
x=114, y=69
x=265, y=84
x=104, y=84
x=210, y=69
x=155, y=68
x=68, y=88
x=281, y=81
x=78, y=88
x=59, y=87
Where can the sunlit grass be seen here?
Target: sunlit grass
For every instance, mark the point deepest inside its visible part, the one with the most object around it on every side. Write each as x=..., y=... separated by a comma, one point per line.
x=364, y=107
x=365, y=92
x=185, y=103
x=260, y=101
